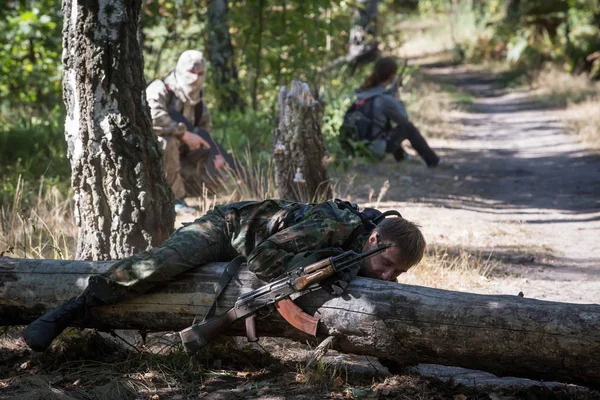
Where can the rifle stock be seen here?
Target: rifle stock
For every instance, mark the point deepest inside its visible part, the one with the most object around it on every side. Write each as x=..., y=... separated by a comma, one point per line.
x=197, y=336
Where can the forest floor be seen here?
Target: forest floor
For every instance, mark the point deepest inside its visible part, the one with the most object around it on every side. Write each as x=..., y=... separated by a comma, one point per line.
x=517, y=195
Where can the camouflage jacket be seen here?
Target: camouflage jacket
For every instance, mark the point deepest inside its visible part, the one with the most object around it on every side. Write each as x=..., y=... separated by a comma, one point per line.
x=271, y=232
x=160, y=97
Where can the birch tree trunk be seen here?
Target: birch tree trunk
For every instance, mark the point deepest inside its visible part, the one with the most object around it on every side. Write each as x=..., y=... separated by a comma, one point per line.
x=504, y=335
x=298, y=149
x=363, y=46
x=220, y=54
x=122, y=202
x=512, y=13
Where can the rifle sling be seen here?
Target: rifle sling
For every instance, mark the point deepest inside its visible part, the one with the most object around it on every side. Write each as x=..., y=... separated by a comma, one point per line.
x=228, y=273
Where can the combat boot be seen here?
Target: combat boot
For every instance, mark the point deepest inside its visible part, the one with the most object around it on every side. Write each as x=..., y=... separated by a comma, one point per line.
x=41, y=332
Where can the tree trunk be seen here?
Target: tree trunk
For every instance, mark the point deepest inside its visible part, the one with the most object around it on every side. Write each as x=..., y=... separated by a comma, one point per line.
x=512, y=12
x=479, y=10
x=298, y=150
x=363, y=46
x=122, y=202
x=220, y=54
x=505, y=335
x=258, y=56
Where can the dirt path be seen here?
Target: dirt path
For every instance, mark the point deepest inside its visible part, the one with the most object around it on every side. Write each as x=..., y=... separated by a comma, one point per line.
x=514, y=185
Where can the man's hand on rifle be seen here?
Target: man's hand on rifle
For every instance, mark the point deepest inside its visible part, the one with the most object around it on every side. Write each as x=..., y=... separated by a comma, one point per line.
x=194, y=141
x=220, y=162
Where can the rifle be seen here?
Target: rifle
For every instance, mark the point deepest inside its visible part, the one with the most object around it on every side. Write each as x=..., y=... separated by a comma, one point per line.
x=300, y=280
x=179, y=129
x=215, y=148
x=398, y=81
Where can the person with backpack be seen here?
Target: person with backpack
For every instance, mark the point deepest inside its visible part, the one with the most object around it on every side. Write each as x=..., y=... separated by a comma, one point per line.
x=270, y=234
x=373, y=114
x=183, y=123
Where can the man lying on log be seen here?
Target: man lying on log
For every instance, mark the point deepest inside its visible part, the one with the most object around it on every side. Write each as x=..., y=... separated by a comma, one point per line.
x=269, y=233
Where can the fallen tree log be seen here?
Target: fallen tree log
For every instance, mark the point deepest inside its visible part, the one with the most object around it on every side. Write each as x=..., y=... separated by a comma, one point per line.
x=505, y=335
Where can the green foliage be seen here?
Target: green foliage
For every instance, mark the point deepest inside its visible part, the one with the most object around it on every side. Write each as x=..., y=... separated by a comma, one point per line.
x=273, y=43
x=31, y=148
x=242, y=130
x=537, y=31
x=30, y=46
x=169, y=28
x=31, y=134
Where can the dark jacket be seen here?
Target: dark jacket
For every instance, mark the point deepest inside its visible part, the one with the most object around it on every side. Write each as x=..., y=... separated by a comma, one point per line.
x=386, y=108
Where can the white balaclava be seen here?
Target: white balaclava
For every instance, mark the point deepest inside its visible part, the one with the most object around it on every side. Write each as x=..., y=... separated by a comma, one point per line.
x=190, y=73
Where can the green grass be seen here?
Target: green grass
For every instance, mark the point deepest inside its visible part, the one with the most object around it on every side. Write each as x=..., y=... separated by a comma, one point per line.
x=32, y=149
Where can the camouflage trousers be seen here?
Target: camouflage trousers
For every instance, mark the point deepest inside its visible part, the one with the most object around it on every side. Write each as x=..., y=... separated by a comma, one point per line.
x=204, y=241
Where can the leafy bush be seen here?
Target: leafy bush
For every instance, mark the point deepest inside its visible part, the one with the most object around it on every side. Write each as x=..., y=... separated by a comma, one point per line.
x=32, y=148
x=538, y=31
x=30, y=65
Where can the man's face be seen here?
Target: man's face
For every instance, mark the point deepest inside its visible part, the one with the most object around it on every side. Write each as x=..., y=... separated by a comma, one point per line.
x=386, y=266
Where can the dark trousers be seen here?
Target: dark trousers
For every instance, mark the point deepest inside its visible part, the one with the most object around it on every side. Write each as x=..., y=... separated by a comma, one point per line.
x=406, y=130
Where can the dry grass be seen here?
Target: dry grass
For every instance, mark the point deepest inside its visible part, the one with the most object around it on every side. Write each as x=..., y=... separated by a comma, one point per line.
x=42, y=226
x=43, y=229
x=579, y=95
x=584, y=119
x=37, y=387
x=432, y=108
x=438, y=32
x=323, y=375
x=256, y=183
x=454, y=270
x=87, y=365
x=557, y=87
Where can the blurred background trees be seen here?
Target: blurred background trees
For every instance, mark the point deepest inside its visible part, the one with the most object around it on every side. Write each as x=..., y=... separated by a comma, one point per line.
x=254, y=46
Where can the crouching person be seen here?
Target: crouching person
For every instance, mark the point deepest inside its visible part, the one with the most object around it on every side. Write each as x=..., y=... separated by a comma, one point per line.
x=380, y=119
x=182, y=121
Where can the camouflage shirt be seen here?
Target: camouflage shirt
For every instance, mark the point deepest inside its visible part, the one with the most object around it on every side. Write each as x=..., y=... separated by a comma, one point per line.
x=271, y=232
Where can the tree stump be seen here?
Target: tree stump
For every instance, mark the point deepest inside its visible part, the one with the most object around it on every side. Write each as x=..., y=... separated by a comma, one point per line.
x=298, y=149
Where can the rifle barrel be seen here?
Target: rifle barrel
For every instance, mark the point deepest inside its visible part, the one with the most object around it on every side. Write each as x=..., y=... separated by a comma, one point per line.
x=360, y=257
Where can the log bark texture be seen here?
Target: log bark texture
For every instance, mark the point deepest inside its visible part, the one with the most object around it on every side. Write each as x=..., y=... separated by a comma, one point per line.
x=122, y=202
x=298, y=149
x=220, y=54
x=505, y=335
